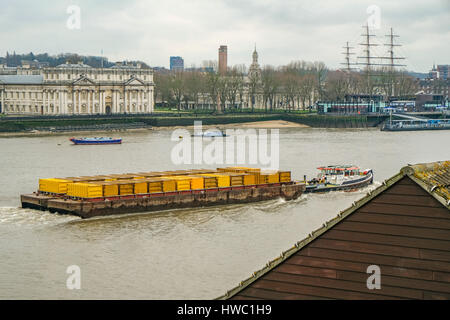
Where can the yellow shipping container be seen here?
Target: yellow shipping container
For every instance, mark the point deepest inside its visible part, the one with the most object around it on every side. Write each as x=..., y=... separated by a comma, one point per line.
x=249, y=179
x=209, y=182
x=183, y=183
x=85, y=190
x=155, y=186
x=197, y=182
x=169, y=185
x=109, y=189
x=222, y=180
x=236, y=179
x=285, y=176
x=166, y=184
x=141, y=187
x=54, y=185
x=269, y=176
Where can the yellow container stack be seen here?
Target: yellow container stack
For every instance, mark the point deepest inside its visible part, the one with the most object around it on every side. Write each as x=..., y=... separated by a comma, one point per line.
x=159, y=182
x=54, y=185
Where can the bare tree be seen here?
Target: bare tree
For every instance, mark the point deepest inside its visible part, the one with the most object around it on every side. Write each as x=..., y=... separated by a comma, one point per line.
x=253, y=87
x=195, y=84
x=177, y=87
x=212, y=88
x=235, y=85
x=270, y=83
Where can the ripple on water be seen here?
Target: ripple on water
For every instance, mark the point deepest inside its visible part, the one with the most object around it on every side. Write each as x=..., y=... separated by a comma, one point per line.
x=31, y=218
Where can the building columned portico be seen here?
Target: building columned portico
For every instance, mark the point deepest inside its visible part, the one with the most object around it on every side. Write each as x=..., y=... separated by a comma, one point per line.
x=72, y=89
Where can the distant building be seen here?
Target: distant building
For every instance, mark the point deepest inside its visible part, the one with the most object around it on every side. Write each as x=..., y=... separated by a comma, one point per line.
x=439, y=72
x=391, y=244
x=443, y=70
x=34, y=64
x=435, y=86
x=176, y=63
x=70, y=89
x=223, y=56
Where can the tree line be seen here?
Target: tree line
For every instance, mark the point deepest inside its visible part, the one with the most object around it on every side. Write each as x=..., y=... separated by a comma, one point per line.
x=297, y=84
x=15, y=60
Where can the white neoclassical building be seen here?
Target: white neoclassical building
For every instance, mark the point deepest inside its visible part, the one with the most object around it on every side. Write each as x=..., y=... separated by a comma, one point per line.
x=70, y=89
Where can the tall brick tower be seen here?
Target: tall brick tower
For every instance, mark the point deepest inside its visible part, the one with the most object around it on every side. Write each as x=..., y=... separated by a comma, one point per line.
x=223, y=60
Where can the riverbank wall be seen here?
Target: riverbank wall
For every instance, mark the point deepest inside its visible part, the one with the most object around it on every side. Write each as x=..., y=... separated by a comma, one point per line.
x=97, y=122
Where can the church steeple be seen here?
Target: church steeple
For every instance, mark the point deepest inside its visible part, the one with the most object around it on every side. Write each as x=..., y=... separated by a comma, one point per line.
x=255, y=56
x=254, y=70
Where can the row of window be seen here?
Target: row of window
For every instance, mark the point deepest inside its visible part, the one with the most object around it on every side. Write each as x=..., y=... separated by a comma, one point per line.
x=53, y=95
x=55, y=76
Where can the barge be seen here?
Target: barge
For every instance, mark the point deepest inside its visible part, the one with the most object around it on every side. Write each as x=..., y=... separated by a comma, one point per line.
x=94, y=196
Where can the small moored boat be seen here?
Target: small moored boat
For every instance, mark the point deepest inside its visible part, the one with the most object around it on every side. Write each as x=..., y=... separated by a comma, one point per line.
x=95, y=140
x=210, y=134
x=338, y=178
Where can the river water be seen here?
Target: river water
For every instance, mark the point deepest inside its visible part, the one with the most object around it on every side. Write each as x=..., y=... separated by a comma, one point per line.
x=178, y=254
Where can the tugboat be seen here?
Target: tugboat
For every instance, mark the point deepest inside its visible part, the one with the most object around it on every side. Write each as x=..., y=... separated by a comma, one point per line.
x=339, y=178
x=96, y=140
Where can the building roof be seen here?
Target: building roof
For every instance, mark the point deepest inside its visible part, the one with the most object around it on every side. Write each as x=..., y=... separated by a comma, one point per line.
x=21, y=79
x=396, y=224
x=74, y=66
x=434, y=178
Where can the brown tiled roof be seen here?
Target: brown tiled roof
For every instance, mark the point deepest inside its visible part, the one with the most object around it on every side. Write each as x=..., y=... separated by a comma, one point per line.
x=424, y=223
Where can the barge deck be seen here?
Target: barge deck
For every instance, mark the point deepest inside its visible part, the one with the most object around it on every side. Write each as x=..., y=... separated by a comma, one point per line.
x=95, y=207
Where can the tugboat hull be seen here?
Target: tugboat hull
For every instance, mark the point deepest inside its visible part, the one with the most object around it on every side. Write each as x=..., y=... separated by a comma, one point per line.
x=346, y=186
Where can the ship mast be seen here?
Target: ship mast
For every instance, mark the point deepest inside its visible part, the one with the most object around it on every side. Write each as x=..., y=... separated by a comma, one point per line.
x=368, y=57
x=347, y=54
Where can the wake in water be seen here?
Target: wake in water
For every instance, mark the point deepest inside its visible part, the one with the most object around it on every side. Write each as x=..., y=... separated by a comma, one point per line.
x=31, y=218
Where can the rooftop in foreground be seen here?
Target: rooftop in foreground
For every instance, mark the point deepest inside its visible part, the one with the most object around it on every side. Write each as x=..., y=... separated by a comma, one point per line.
x=403, y=227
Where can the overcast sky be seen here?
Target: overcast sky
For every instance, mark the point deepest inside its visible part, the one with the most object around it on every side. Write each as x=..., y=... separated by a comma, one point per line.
x=283, y=30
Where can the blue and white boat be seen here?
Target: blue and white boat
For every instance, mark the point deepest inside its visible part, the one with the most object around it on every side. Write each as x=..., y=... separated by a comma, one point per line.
x=339, y=178
x=95, y=140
